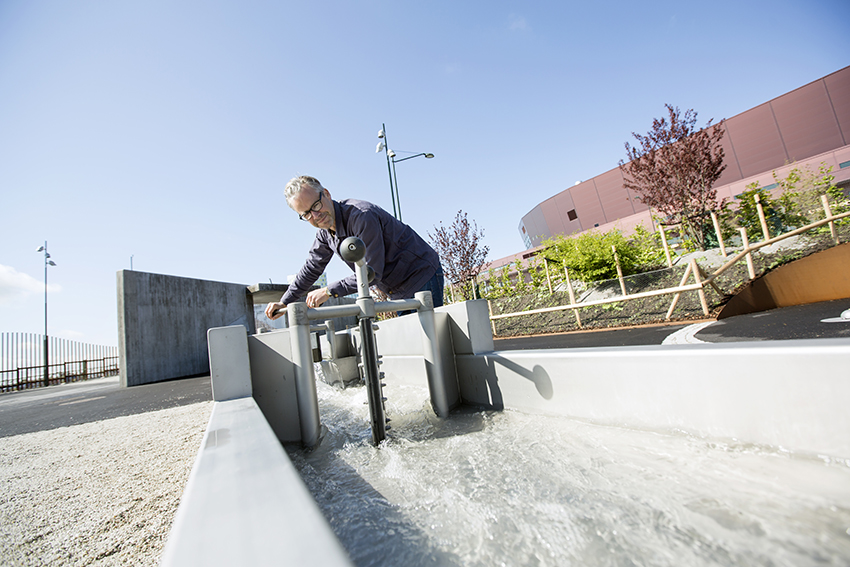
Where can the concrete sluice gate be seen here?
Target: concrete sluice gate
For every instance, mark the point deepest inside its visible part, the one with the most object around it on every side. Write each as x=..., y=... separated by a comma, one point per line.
x=711, y=454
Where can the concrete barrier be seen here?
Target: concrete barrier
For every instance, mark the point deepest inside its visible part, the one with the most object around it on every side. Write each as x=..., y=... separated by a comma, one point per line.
x=245, y=503
x=789, y=394
x=163, y=322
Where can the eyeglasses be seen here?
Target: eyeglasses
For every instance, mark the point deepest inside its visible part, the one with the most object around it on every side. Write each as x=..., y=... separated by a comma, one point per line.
x=317, y=206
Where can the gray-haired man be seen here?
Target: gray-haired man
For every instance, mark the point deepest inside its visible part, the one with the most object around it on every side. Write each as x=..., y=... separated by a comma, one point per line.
x=403, y=262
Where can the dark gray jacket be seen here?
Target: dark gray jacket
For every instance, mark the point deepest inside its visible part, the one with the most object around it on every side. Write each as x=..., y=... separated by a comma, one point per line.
x=402, y=260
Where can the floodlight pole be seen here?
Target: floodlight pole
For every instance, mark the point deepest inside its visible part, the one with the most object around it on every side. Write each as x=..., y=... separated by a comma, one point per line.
x=47, y=262
x=391, y=161
x=383, y=134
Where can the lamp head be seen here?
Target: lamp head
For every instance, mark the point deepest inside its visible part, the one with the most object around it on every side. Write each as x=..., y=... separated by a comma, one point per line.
x=429, y=156
x=40, y=249
x=380, y=147
x=381, y=133
x=391, y=153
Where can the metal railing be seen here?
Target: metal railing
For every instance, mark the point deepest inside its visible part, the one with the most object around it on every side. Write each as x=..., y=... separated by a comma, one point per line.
x=22, y=361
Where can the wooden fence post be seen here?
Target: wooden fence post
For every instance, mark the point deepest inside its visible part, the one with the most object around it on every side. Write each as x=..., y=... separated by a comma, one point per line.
x=762, y=220
x=750, y=268
x=572, y=294
x=676, y=297
x=619, y=270
x=664, y=244
x=701, y=291
x=719, y=234
x=828, y=212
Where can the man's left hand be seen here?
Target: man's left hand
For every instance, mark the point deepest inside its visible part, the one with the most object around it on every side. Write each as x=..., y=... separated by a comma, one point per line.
x=318, y=296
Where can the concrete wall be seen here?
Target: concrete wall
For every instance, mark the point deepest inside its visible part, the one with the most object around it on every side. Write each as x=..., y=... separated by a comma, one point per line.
x=824, y=276
x=163, y=322
x=790, y=394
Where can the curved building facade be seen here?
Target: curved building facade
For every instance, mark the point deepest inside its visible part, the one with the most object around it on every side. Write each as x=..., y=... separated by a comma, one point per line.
x=806, y=126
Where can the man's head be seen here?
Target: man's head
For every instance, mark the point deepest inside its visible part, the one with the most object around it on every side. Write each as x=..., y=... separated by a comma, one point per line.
x=306, y=196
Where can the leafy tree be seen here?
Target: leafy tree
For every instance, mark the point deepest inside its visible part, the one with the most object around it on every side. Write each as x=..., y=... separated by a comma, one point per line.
x=590, y=256
x=802, y=190
x=461, y=252
x=674, y=167
x=775, y=213
x=798, y=204
x=537, y=271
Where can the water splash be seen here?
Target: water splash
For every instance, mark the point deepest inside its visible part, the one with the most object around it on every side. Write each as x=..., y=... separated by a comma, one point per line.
x=505, y=488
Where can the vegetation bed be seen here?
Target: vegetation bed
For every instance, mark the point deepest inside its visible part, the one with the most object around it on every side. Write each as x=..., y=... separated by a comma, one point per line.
x=652, y=310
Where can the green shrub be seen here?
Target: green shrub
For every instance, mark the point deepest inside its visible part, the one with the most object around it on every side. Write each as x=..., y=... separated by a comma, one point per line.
x=590, y=256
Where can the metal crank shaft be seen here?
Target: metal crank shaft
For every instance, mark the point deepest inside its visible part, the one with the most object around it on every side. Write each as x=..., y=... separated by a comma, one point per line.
x=373, y=381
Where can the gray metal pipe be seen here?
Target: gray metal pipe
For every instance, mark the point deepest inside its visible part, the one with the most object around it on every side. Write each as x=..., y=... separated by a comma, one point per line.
x=305, y=382
x=332, y=311
x=397, y=305
x=433, y=361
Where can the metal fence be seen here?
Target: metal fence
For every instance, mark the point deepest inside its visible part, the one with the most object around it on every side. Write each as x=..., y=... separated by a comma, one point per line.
x=22, y=361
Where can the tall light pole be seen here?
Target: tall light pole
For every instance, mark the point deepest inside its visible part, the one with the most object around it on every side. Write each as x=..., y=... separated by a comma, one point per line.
x=383, y=145
x=47, y=262
x=391, y=161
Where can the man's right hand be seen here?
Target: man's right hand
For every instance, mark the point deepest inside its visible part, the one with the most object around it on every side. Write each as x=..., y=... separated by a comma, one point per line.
x=275, y=310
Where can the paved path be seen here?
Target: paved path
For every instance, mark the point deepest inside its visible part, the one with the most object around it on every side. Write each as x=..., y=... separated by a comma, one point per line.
x=798, y=322
x=94, y=400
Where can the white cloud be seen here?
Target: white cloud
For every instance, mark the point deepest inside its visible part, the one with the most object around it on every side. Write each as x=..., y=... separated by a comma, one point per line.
x=518, y=23
x=15, y=285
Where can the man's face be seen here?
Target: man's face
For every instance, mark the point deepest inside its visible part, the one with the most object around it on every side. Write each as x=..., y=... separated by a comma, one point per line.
x=306, y=203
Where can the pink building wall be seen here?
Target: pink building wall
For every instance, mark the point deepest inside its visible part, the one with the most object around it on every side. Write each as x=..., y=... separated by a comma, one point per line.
x=806, y=126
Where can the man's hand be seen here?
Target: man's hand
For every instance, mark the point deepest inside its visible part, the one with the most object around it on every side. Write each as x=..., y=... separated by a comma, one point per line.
x=317, y=297
x=276, y=306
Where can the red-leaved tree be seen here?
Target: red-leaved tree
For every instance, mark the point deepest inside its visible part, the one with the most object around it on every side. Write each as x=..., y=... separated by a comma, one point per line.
x=674, y=167
x=461, y=252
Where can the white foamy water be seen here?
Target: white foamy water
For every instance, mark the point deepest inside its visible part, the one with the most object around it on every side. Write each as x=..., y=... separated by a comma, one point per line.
x=504, y=488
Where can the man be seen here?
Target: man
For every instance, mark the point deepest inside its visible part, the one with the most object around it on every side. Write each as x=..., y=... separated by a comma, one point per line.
x=403, y=262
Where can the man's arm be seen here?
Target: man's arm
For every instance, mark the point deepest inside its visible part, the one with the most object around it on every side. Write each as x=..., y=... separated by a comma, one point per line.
x=318, y=257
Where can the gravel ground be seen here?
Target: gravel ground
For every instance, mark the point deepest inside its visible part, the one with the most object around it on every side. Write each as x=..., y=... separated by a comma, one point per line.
x=102, y=493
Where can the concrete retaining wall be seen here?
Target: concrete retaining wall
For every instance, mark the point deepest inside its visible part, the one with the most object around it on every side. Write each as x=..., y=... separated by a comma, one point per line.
x=163, y=322
x=823, y=276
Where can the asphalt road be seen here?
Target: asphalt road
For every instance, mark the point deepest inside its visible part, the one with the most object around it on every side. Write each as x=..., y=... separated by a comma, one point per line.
x=95, y=400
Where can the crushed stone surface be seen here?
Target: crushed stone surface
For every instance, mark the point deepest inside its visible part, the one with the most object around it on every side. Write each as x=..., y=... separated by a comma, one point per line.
x=102, y=493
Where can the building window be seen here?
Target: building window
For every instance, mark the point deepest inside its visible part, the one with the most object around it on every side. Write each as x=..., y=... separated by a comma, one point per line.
x=844, y=164
x=571, y=214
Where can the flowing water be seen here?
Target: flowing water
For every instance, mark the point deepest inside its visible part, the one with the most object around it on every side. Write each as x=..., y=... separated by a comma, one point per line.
x=504, y=488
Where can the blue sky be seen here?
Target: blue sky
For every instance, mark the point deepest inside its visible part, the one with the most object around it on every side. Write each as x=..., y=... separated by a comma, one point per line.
x=166, y=130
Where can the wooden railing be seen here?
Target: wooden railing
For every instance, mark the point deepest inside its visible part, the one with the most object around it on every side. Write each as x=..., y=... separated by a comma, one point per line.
x=701, y=280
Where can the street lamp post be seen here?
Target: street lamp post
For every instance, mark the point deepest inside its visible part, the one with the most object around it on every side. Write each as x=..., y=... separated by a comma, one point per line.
x=391, y=161
x=47, y=262
x=382, y=145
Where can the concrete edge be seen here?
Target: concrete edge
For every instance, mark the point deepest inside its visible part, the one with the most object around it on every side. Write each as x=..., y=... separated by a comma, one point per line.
x=245, y=503
x=788, y=394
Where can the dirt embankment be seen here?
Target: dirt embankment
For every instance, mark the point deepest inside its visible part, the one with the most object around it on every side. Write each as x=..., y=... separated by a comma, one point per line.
x=654, y=309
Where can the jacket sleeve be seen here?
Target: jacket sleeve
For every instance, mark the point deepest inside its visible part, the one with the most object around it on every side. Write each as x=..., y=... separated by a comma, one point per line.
x=318, y=257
